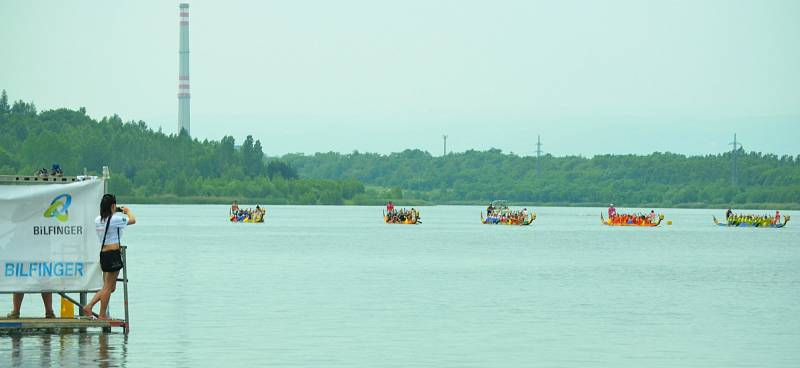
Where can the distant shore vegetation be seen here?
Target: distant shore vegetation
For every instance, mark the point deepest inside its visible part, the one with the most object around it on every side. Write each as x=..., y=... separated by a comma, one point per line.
x=763, y=181
x=149, y=166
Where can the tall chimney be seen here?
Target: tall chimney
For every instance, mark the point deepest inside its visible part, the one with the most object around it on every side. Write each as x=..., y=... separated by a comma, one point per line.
x=183, y=71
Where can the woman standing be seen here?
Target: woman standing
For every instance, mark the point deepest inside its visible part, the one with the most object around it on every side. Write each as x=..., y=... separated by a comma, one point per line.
x=109, y=226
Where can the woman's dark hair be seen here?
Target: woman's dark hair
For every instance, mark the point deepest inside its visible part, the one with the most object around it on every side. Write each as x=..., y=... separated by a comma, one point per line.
x=105, y=206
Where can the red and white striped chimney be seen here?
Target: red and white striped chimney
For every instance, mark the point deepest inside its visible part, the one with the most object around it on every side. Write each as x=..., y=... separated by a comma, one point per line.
x=183, y=70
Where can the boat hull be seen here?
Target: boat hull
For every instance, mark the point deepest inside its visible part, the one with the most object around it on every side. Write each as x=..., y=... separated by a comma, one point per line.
x=406, y=222
x=247, y=222
x=259, y=220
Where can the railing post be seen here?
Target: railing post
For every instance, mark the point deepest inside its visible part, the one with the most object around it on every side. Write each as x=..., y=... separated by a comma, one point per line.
x=125, y=289
x=83, y=300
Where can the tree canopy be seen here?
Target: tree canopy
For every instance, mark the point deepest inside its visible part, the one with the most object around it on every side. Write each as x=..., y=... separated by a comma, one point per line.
x=151, y=166
x=658, y=179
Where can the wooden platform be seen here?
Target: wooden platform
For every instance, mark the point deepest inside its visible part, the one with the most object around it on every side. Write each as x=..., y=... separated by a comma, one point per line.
x=38, y=324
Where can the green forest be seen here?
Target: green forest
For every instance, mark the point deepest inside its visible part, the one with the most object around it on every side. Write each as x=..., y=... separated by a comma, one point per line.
x=148, y=166
x=655, y=180
x=151, y=167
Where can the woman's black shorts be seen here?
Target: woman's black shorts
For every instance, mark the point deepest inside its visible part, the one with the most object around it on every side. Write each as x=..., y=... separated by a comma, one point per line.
x=111, y=261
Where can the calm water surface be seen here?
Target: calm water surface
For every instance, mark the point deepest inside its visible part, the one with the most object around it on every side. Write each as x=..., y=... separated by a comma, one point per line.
x=335, y=287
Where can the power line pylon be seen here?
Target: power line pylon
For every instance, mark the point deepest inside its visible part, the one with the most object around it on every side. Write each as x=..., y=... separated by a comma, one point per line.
x=538, y=155
x=736, y=146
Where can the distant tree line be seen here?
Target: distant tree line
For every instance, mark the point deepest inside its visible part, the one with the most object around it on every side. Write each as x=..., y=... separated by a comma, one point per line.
x=658, y=179
x=151, y=166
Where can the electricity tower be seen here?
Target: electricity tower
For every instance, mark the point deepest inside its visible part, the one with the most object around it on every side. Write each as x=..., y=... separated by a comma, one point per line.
x=444, y=137
x=736, y=146
x=538, y=155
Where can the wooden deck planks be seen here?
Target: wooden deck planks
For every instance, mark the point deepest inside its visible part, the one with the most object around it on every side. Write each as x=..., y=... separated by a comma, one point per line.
x=9, y=325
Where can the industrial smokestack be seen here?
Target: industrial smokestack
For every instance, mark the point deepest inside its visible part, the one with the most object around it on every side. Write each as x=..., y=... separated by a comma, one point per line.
x=183, y=71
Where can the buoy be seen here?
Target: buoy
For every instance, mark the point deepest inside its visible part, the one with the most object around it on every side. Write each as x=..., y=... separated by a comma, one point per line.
x=67, y=308
x=669, y=222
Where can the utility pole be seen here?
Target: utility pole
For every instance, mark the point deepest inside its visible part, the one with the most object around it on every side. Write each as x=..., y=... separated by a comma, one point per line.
x=444, y=137
x=538, y=154
x=736, y=146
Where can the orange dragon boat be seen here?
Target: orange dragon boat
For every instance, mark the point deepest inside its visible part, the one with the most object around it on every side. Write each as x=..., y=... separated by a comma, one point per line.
x=631, y=220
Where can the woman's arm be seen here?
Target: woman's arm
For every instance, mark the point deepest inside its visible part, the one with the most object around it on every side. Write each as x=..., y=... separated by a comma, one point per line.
x=131, y=218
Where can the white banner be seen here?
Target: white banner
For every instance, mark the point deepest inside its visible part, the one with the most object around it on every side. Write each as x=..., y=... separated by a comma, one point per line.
x=48, y=240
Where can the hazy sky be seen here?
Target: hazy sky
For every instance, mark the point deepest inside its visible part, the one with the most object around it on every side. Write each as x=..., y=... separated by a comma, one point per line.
x=304, y=76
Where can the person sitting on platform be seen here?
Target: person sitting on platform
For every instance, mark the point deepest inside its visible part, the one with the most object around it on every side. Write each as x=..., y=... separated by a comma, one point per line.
x=47, y=299
x=56, y=170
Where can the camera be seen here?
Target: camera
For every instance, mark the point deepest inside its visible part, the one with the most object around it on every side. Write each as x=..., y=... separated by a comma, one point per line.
x=120, y=209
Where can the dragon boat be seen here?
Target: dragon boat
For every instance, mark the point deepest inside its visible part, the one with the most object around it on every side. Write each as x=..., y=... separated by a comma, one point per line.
x=414, y=220
x=527, y=222
x=749, y=224
x=608, y=222
x=256, y=219
x=501, y=207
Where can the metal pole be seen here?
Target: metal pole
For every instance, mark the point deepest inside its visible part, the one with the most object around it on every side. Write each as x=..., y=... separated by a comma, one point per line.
x=127, y=327
x=83, y=298
x=105, y=190
x=106, y=176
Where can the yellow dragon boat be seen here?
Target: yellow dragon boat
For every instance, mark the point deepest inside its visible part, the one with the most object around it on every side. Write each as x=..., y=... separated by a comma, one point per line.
x=403, y=219
x=733, y=222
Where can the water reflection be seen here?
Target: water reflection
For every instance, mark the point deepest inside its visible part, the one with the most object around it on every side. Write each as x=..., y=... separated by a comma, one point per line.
x=104, y=350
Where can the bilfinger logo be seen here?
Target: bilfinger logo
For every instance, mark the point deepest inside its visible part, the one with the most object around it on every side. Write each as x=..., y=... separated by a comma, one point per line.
x=59, y=207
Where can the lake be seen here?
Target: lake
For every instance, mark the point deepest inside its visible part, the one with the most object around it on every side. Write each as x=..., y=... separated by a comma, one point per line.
x=320, y=286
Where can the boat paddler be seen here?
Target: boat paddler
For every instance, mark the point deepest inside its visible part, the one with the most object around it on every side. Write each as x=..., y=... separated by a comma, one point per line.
x=611, y=211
